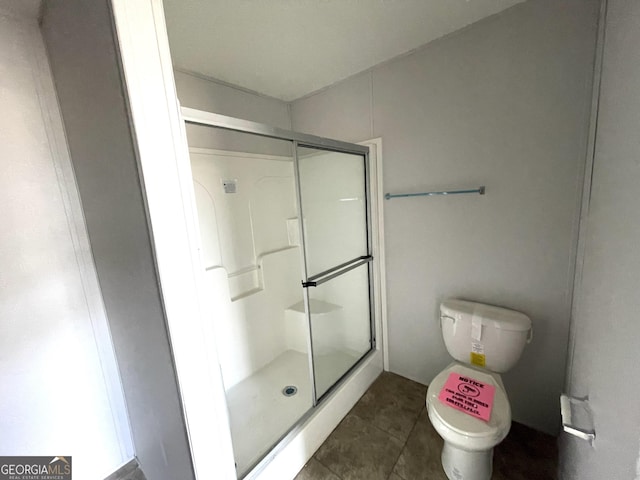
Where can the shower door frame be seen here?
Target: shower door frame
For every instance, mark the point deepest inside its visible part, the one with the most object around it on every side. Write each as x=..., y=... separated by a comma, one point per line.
x=201, y=117
x=338, y=270
x=297, y=139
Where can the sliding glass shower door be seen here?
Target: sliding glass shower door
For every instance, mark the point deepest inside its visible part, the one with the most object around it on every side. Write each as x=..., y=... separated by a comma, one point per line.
x=276, y=208
x=333, y=204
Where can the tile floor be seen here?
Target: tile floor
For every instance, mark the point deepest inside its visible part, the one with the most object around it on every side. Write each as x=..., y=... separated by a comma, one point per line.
x=388, y=436
x=129, y=471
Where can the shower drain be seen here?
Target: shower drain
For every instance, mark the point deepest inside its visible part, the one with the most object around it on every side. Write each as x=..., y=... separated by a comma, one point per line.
x=289, y=390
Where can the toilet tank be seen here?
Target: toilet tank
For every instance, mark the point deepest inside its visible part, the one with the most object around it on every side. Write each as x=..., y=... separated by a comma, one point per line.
x=484, y=335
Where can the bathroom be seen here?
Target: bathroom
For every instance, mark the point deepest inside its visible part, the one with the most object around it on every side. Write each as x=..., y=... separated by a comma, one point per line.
x=514, y=103
x=522, y=135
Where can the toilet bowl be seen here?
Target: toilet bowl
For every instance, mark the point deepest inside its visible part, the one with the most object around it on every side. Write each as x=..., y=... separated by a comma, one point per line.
x=484, y=341
x=468, y=441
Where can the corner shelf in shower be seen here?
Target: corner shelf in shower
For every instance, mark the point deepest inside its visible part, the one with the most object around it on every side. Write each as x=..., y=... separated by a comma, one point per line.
x=318, y=307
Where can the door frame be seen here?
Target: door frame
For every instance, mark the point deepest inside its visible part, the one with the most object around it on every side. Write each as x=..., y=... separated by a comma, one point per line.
x=378, y=246
x=159, y=133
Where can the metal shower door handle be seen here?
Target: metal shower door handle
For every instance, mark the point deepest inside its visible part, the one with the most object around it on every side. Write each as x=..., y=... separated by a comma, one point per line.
x=334, y=272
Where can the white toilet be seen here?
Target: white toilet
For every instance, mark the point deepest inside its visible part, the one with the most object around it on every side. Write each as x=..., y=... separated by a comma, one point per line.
x=485, y=341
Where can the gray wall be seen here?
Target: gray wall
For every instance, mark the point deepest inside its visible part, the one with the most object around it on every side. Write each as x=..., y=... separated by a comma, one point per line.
x=606, y=327
x=211, y=96
x=58, y=375
x=503, y=103
x=205, y=94
x=82, y=52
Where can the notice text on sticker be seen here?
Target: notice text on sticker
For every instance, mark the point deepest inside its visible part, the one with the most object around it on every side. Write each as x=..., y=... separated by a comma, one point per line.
x=468, y=395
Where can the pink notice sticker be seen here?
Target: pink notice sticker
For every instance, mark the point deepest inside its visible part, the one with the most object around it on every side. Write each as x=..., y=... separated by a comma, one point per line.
x=468, y=395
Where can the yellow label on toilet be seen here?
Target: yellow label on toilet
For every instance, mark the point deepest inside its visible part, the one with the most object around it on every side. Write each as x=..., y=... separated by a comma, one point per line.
x=477, y=359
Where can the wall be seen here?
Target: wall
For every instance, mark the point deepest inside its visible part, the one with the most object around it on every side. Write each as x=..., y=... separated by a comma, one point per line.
x=204, y=94
x=207, y=94
x=502, y=103
x=606, y=327
x=252, y=262
x=61, y=392
x=82, y=50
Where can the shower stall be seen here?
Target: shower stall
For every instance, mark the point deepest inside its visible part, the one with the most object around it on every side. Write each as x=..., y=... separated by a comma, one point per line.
x=286, y=245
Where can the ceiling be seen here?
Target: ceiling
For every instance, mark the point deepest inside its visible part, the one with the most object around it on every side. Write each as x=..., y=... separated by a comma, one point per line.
x=290, y=48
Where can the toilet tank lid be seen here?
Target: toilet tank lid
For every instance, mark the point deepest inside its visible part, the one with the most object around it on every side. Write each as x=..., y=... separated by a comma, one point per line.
x=503, y=318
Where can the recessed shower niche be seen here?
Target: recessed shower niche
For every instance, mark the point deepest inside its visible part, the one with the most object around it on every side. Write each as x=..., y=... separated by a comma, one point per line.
x=285, y=244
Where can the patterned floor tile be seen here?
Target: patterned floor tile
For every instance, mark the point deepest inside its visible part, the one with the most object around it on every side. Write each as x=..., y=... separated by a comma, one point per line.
x=420, y=458
x=357, y=450
x=369, y=444
x=314, y=470
x=392, y=404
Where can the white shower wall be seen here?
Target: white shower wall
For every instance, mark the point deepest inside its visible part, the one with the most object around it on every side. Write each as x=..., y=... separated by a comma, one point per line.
x=250, y=253
x=249, y=228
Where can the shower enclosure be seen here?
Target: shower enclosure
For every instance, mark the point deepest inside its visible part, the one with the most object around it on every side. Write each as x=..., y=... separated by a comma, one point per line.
x=286, y=247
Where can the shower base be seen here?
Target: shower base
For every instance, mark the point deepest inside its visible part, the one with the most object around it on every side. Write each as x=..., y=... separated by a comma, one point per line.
x=259, y=412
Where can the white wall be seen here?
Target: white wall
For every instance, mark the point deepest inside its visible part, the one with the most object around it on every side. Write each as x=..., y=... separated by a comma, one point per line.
x=253, y=266
x=606, y=326
x=86, y=70
x=61, y=393
x=503, y=103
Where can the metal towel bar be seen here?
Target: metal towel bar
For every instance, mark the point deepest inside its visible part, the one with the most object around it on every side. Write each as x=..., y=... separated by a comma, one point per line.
x=479, y=190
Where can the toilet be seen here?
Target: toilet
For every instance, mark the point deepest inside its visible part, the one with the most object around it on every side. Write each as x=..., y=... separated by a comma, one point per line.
x=484, y=341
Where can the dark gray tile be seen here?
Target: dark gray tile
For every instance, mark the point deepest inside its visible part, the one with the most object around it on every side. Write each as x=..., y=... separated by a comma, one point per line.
x=357, y=450
x=420, y=458
x=392, y=404
x=314, y=470
x=526, y=454
x=129, y=471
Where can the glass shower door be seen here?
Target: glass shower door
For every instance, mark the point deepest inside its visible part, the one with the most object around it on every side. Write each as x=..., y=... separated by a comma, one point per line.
x=334, y=206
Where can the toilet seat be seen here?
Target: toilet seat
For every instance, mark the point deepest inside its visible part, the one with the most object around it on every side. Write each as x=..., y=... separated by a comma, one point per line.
x=461, y=429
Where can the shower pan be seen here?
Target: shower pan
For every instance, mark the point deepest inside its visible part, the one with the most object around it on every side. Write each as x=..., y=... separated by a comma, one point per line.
x=286, y=245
